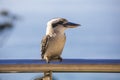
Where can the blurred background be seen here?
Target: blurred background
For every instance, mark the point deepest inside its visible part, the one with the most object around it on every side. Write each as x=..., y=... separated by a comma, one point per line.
x=23, y=24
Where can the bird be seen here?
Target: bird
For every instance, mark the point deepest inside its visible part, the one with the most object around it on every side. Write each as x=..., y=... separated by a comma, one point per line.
x=53, y=42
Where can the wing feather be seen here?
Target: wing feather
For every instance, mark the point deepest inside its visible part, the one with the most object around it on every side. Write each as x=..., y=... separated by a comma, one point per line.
x=44, y=45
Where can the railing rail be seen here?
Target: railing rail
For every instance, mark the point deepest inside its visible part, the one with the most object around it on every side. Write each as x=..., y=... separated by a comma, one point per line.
x=67, y=65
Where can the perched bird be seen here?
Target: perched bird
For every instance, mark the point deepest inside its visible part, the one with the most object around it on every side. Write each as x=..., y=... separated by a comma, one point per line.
x=53, y=42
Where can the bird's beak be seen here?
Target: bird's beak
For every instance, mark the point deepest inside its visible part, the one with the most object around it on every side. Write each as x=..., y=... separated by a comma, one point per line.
x=71, y=25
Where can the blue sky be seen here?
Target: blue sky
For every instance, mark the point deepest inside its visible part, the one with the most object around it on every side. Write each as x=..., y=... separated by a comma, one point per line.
x=97, y=38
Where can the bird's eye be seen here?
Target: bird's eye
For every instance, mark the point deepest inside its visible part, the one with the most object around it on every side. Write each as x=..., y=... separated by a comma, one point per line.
x=60, y=22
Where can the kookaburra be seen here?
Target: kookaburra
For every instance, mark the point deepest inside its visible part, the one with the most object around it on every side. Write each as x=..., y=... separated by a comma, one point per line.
x=53, y=42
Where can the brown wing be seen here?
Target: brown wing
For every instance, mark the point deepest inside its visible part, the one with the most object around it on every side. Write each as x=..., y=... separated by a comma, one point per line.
x=44, y=45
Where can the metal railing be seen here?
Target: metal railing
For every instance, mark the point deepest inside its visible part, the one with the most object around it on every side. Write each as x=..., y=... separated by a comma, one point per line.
x=67, y=65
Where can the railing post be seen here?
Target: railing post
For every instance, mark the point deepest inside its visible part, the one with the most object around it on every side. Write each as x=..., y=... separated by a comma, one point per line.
x=47, y=75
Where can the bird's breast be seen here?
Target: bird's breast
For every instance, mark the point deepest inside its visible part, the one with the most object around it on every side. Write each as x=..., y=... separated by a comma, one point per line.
x=56, y=45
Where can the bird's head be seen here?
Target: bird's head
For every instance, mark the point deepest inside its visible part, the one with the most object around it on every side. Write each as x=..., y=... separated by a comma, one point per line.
x=57, y=22
x=60, y=24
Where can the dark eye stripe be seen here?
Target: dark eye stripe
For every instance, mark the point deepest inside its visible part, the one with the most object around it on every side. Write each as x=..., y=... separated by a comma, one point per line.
x=58, y=23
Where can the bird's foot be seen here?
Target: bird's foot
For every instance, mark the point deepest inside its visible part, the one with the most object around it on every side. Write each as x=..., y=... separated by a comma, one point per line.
x=60, y=59
x=48, y=62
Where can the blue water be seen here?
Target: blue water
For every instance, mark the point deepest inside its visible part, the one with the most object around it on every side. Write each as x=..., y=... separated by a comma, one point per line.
x=97, y=38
